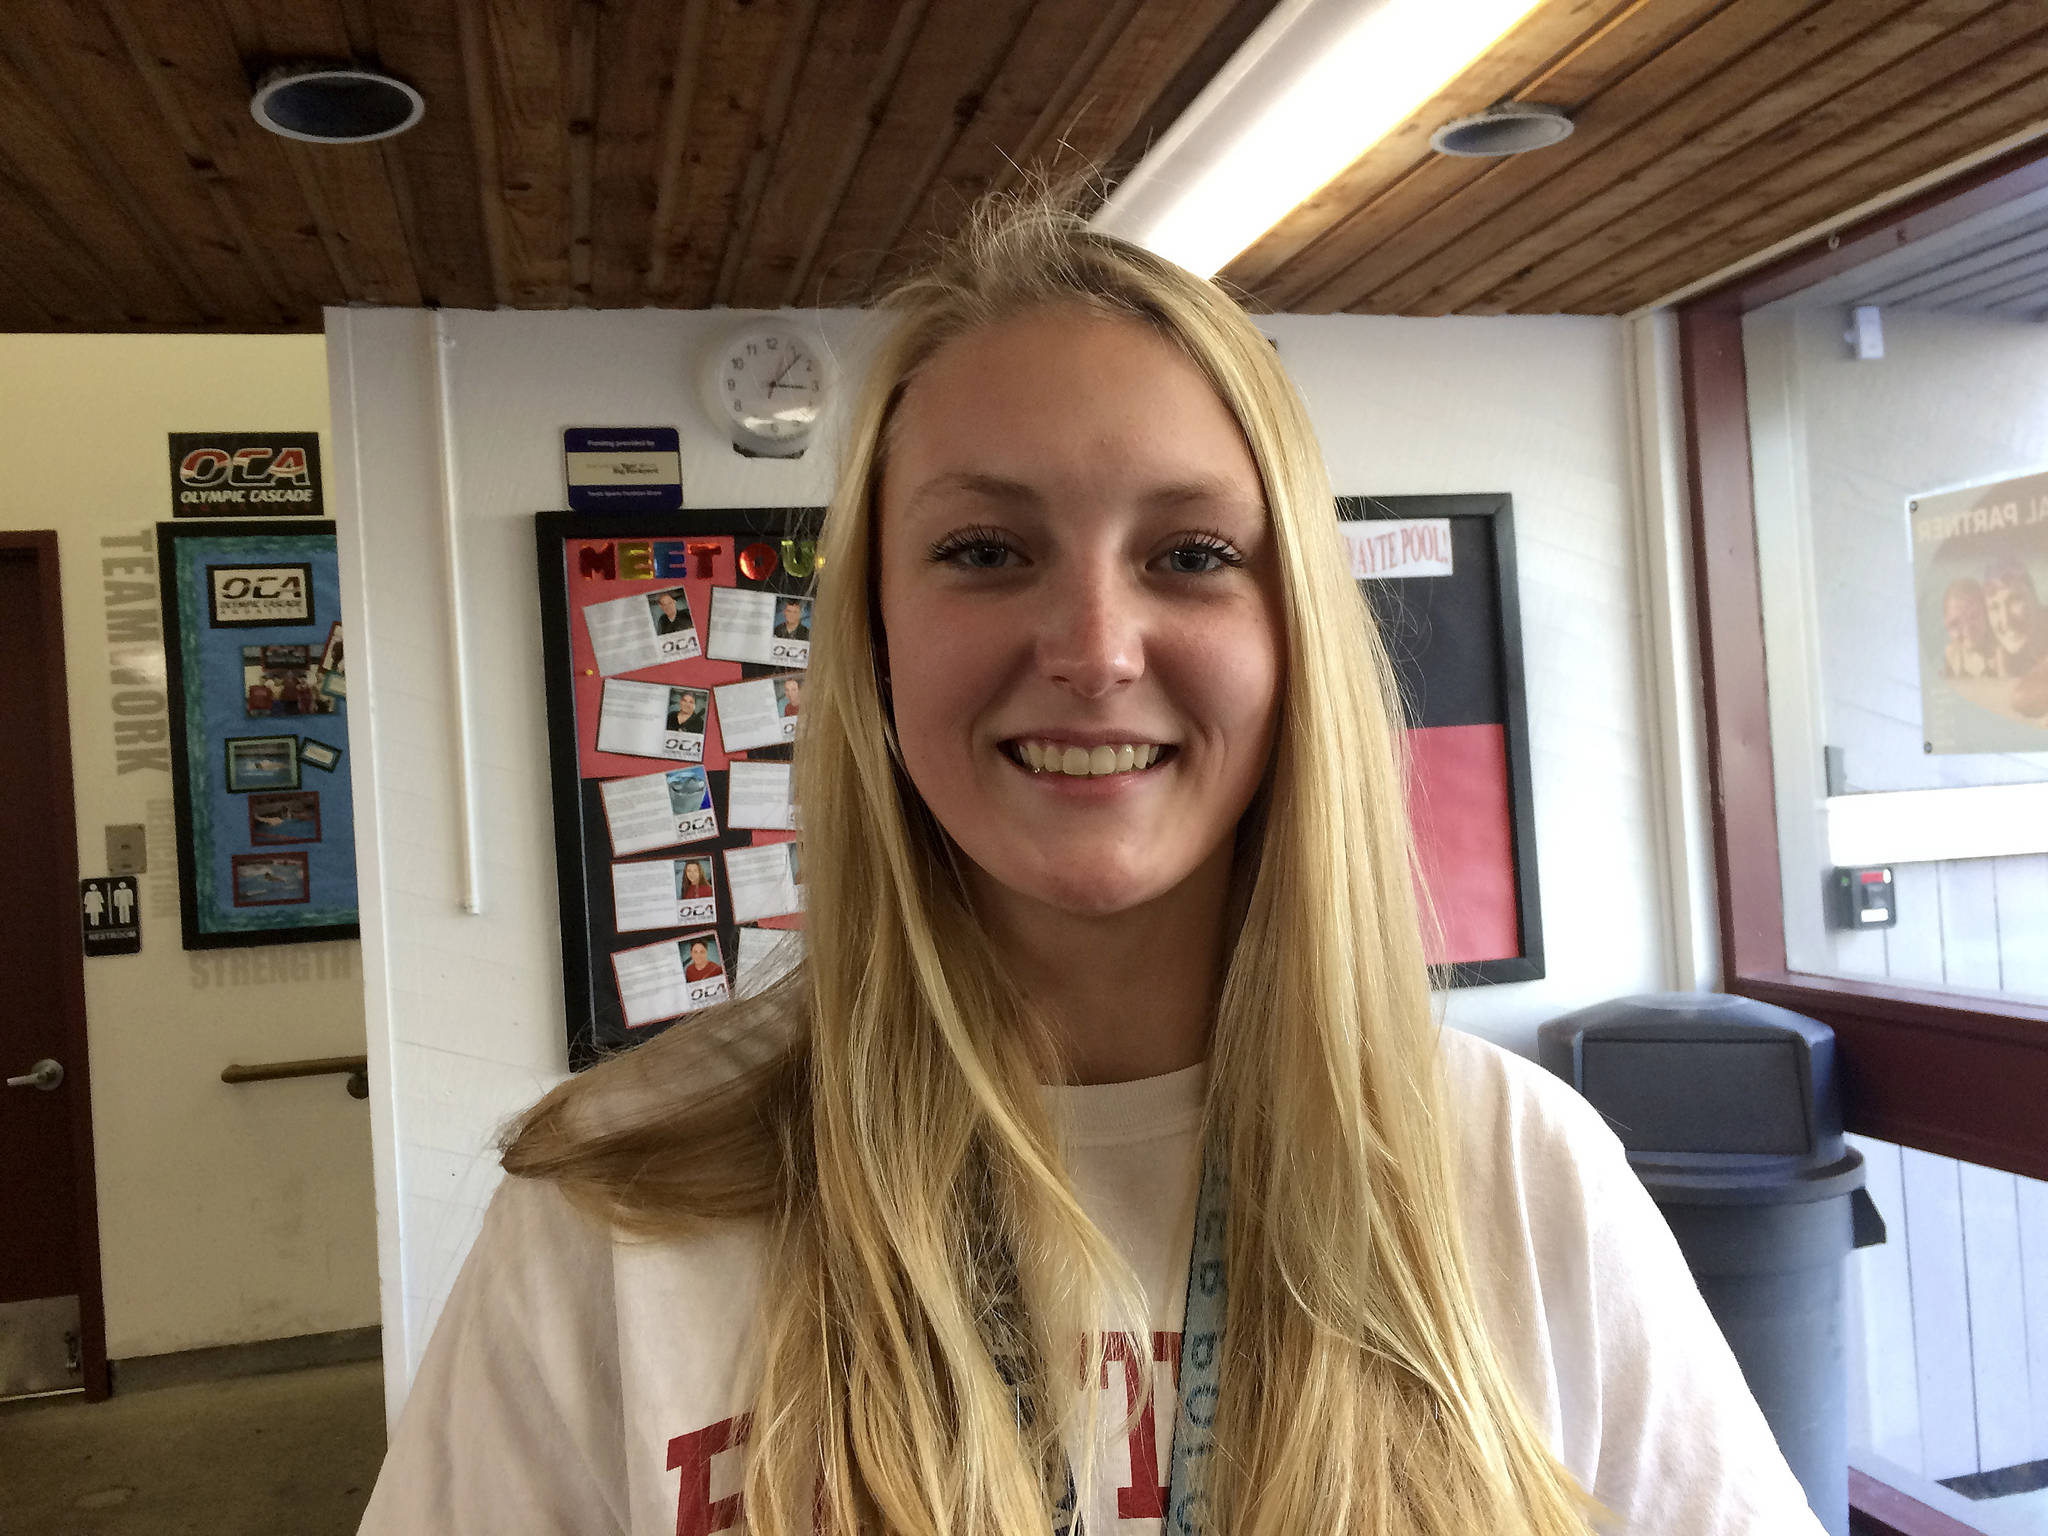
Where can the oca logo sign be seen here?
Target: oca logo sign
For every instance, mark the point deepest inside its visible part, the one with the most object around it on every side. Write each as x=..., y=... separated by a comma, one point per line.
x=247, y=596
x=230, y=474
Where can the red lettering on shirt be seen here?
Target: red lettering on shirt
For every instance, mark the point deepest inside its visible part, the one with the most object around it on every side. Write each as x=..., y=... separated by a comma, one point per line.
x=1166, y=1350
x=696, y=1514
x=1144, y=1496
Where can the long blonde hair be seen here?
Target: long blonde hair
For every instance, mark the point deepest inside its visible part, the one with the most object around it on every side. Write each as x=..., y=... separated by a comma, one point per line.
x=928, y=1266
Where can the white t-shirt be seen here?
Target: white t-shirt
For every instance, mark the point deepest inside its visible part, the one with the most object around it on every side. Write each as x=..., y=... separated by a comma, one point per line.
x=577, y=1384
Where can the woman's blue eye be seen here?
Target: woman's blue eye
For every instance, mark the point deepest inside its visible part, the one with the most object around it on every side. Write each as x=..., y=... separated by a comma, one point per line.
x=973, y=549
x=982, y=557
x=1199, y=559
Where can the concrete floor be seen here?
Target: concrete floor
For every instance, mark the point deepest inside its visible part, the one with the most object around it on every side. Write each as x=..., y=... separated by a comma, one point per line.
x=293, y=1454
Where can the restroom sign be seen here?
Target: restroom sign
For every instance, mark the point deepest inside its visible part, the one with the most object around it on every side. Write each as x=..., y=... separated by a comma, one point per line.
x=245, y=474
x=110, y=915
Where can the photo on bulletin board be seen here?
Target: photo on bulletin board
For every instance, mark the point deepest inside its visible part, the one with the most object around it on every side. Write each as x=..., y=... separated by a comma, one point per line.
x=1439, y=575
x=252, y=651
x=674, y=645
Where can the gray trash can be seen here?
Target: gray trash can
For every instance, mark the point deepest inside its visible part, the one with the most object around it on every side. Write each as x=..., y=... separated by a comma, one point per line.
x=1731, y=1116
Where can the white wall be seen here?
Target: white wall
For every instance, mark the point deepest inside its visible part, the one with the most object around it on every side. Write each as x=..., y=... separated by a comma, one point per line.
x=465, y=1010
x=227, y=1213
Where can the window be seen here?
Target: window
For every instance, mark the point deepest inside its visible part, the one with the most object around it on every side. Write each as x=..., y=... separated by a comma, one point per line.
x=1944, y=1043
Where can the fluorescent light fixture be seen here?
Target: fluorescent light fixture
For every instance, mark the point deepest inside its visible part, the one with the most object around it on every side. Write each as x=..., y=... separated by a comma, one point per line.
x=1316, y=85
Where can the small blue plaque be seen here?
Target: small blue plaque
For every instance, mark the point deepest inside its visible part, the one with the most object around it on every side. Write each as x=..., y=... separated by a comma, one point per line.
x=618, y=469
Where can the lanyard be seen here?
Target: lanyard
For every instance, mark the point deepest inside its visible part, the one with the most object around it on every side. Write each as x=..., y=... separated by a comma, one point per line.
x=1201, y=1349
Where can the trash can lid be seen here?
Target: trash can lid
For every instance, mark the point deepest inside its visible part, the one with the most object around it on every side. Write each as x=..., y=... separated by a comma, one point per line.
x=1672, y=1183
x=1718, y=1100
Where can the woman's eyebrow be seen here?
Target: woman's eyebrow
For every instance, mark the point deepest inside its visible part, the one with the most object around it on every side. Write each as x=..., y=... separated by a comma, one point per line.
x=1198, y=488
x=1212, y=488
x=976, y=483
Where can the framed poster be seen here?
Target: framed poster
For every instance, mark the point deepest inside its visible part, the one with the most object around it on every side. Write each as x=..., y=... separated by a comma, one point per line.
x=252, y=649
x=1439, y=572
x=675, y=645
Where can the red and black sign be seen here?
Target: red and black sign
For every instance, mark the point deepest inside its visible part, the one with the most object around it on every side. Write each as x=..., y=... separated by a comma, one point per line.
x=246, y=474
x=1455, y=641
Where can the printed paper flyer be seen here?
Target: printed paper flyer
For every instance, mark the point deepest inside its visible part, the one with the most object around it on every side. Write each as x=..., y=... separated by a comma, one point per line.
x=1980, y=567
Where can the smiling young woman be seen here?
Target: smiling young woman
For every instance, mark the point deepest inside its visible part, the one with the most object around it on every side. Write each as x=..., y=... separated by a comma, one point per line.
x=1076, y=565
x=1113, y=1047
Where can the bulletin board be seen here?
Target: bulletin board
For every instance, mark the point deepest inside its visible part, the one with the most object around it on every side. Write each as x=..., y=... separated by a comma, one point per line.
x=675, y=646
x=1439, y=573
x=259, y=732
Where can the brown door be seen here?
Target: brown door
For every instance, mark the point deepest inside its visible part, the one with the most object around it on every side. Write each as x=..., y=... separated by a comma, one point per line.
x=52, y=1337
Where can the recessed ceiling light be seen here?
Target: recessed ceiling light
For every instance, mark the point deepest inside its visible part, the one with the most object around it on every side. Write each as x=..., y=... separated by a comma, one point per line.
x=334, y=103
x=1506, y=128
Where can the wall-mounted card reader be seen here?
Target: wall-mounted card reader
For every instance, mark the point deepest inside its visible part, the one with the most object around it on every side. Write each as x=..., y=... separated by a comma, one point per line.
x=127, y=849
x=1865, y=898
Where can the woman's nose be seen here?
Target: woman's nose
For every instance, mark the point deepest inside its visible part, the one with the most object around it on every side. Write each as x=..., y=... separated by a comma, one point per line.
x=1091, y=634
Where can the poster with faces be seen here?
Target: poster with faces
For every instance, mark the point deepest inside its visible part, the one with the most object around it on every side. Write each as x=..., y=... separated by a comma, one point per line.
x=760, y=713
x=670, y=979
x=764, y=882
x=663, y=893
x=758, y=795
x=652, y=720
x=765, y=955
x=762, y=627
x=1980, y=574
x=629, y=633
x=658, y=810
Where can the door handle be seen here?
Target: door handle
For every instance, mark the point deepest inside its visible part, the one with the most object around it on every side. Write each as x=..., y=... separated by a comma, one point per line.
x=45, y=1074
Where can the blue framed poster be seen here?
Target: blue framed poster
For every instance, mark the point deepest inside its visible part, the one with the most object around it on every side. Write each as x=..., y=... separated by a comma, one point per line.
x=259, y=732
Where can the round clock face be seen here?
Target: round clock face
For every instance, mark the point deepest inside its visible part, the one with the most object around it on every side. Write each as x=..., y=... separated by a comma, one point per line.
x=770, y=384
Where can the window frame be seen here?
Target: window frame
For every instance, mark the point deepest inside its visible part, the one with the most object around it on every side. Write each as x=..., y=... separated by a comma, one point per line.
x=1961, y=1075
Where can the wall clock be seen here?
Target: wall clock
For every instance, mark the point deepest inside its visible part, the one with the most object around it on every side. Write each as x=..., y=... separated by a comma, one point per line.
x=768, y=387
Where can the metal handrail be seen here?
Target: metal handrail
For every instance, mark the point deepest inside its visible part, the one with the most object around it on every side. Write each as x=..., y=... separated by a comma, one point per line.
x=355, y=1068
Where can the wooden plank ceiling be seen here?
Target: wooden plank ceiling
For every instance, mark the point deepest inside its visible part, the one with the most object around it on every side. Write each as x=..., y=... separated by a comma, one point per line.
x=1705, y=131
x=756, y=153
x=766, y=153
